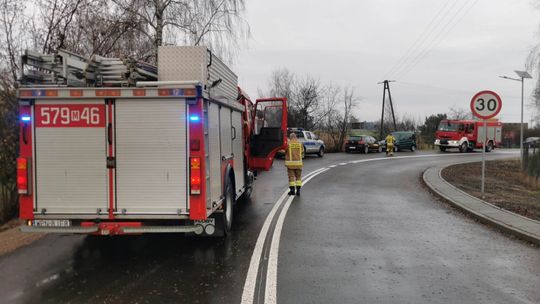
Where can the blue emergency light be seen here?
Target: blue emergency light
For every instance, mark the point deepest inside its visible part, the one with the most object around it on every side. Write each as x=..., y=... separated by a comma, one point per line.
x=25, y=118
x=194, y=118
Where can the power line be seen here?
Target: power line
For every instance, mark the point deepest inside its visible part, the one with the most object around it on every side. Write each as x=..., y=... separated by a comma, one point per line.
x=437, y=88
x=437, y=35
x=429, y=29
x=438, y=39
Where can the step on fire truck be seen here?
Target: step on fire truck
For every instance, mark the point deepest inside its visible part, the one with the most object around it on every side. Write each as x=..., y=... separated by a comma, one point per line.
x=467, y=135
x=114, y=146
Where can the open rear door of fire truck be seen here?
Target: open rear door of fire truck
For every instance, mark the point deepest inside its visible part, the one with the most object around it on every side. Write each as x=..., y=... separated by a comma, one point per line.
x=269, y=126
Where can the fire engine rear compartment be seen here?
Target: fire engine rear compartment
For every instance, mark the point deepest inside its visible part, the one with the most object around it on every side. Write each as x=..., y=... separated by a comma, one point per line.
x=70, y=163
x=148, y=141
x=149, y=145
x=151, y=156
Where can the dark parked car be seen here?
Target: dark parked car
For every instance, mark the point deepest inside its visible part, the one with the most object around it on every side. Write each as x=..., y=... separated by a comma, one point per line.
x=405, y=140
x=362, y=143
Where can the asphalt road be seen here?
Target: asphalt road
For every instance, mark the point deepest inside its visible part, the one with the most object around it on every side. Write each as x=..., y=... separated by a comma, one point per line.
x=364, y=232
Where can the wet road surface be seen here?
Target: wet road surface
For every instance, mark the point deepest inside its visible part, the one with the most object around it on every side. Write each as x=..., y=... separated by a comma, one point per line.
x=360, y=233
x=374, y=235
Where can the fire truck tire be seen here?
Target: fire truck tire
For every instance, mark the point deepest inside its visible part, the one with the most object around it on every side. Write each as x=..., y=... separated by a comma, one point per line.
x=249, y=187
x=489, y=146
x=228, y=208
x=443, y=149
x=463, y=147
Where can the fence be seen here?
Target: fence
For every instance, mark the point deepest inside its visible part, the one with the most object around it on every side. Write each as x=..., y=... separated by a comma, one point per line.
x=531, y=158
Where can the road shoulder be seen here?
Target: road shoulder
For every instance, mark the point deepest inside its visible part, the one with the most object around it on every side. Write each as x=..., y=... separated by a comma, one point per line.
x=11, y=237
x=512, y=223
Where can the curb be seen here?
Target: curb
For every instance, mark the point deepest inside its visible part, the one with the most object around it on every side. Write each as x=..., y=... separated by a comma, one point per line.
x=515, y=224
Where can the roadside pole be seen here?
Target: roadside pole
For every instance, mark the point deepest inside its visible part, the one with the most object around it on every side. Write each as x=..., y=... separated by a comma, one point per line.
x=484, y=159
x=485, y=105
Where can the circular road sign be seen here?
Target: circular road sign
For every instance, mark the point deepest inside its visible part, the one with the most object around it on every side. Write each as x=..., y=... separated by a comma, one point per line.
x=486, y=104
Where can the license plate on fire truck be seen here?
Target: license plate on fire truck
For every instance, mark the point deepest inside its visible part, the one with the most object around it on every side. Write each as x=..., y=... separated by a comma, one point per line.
x=211, y=221
x=51, y=223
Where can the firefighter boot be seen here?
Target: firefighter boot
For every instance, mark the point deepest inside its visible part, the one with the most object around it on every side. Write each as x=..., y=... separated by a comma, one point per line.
x=292, y=190
x=298, y=190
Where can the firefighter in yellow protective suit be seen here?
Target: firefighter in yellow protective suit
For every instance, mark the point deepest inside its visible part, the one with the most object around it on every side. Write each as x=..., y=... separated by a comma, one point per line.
x=293, y=162
x=390, y=140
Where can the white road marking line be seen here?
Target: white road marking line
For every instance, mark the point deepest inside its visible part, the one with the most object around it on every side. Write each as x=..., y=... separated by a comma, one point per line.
x=402, y=157
x=54, y=277
x=251, y=278
x=342, y=164
x=270, y=293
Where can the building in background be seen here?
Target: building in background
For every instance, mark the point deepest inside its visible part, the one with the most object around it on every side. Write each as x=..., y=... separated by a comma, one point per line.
x=510, y=134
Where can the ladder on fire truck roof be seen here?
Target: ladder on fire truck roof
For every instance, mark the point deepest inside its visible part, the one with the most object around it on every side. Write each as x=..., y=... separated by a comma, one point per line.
x=178, y=65
x=65, y=68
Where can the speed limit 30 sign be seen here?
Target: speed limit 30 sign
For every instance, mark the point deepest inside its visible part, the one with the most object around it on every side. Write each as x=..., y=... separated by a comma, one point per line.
x=486, y=104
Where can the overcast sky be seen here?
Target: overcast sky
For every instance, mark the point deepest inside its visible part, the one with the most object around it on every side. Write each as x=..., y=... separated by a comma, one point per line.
x=357, y=43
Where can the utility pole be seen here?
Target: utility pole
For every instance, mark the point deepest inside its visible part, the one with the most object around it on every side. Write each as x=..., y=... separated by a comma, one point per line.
x=387, y=88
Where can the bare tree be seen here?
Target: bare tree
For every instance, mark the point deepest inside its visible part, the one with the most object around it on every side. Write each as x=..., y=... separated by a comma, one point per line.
x=280, y=84
x=107, y=31
x=306, y=101
x=458, y=113
x=11, y=38
x=340, y=103
x=12, y=22
x=57, y=17
x=216, y=23
x=306, y=97
x=349, y=100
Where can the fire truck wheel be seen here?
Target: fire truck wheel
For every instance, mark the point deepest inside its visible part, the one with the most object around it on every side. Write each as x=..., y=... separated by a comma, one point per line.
x=249, y=188
x=489, y=146
x=463, y=147
x=228, y=208
x=443, y=149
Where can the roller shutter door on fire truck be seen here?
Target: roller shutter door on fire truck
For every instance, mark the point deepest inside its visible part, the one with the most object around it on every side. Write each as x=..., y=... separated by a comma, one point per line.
x=151, y=164
x=70, y=162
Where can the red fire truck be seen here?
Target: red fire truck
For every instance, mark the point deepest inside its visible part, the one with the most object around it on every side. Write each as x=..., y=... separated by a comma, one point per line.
x=467, y=135
x=109, y=146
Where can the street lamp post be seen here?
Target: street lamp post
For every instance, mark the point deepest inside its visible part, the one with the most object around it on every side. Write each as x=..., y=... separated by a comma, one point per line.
x=522, y=75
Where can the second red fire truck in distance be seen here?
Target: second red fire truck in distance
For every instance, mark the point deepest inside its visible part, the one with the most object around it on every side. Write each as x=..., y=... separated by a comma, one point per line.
x=468, y=135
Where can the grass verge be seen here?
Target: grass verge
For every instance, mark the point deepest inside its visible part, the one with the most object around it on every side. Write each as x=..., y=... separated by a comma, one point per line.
x=506, y=186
